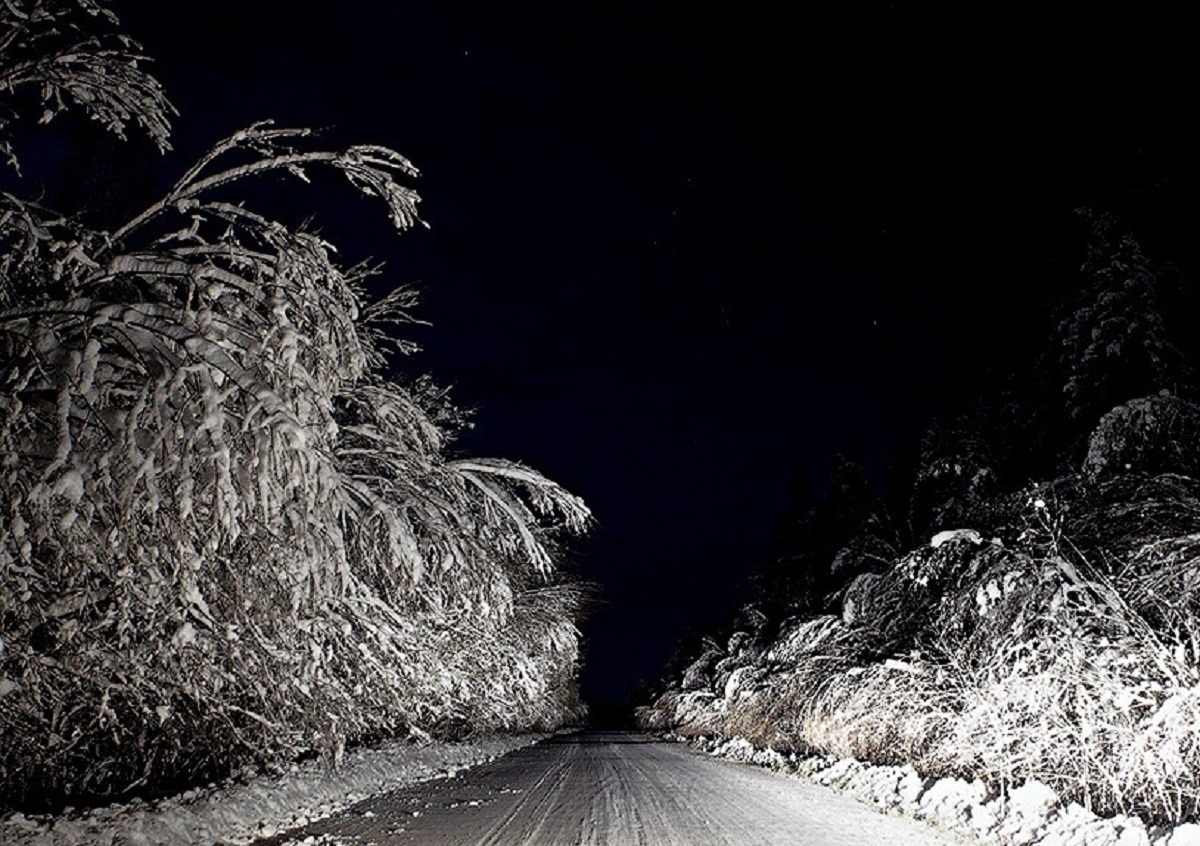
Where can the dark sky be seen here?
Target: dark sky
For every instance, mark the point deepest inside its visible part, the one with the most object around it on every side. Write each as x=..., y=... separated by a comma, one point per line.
x=680, y=256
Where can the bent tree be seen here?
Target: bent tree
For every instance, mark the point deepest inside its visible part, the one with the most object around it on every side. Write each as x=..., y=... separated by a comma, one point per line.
x=225, y=537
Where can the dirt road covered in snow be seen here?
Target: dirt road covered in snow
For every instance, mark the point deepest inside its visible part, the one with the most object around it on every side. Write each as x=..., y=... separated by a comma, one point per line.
x=613, y=789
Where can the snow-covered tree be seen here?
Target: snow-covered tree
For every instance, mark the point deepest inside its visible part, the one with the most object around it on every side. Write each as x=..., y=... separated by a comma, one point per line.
x=1151, y=435
x=822, y=544
x=224, y=535
x=66, y=53
x=1116, y=342
x=954, y=476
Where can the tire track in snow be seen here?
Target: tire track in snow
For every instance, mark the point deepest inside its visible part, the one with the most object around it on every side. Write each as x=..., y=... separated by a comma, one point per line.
x=614, y=789
x=534, y=804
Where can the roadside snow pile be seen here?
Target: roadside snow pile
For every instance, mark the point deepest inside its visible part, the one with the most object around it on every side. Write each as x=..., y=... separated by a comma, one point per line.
x=1030, y=815
x=233, y=813
x=740, y=749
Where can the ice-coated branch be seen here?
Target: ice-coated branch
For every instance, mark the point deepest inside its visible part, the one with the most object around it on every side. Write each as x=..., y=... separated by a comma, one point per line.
x=47, y=45
x=198, y=440
x=371, y=169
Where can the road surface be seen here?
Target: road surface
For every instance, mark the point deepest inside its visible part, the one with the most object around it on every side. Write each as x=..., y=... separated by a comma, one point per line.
x=615, y=789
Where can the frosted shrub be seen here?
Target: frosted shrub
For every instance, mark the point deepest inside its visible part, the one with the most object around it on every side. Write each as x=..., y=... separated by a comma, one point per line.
x=1093, y=702
x=224, y=537
x=1150, y=435
x=1068, y=656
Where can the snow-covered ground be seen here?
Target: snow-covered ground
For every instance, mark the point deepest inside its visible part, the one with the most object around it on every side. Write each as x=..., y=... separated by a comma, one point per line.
x=240, y=812
x=614, y=789
x=1029, y=815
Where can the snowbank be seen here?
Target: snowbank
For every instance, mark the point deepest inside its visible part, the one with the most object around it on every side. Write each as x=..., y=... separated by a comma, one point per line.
x=238, y=813
x=1029, y=815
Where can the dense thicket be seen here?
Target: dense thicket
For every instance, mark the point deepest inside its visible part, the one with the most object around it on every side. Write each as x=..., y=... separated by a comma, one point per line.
x=225, y=537
x=982, y=624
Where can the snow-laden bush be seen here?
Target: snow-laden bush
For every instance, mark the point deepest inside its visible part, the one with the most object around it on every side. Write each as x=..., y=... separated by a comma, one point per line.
x=1094, y=710
x=1068, y=655
x=224, y=537
x=1158, y=434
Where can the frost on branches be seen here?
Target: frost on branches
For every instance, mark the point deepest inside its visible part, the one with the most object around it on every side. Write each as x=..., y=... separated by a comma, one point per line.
x=225, y=538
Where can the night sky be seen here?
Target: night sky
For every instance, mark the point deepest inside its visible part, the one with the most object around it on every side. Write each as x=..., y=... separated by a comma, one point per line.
x=680, y=258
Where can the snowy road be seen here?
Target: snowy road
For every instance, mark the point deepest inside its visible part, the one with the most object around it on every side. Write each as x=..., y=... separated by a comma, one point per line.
x=614, y=789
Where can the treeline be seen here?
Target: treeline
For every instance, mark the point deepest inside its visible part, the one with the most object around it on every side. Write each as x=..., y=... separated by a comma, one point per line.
x=1022, y=601
x=226, y=538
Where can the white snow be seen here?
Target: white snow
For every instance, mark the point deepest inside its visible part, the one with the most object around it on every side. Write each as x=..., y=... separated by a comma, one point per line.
x=1026, y=811
x=1029, y=815
x=70, y=486
x=956, y=534
x=238, y=813
x=617, y=789
x=1183, y=835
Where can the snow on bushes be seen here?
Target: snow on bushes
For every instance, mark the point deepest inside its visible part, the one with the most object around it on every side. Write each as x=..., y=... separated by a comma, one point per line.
x=224, y=537
x=1159, y=434
x=1061, y=649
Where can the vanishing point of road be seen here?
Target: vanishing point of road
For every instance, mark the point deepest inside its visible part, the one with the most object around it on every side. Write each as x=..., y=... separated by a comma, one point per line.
x=612, y=789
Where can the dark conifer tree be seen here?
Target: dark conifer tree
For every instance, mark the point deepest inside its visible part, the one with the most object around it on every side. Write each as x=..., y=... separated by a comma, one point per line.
x=1117, y=340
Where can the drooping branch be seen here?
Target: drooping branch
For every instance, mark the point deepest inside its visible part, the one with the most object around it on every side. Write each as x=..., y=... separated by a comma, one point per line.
x=48, y=45
x=194, y=423
x=371, y=169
